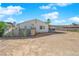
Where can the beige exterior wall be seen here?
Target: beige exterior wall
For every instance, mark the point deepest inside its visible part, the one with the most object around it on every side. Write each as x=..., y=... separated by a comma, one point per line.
x=34, y=23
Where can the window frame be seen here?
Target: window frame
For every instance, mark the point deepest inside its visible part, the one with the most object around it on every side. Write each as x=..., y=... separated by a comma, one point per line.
x=42, y=27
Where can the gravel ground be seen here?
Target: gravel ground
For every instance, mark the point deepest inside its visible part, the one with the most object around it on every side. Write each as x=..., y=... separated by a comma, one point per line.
x=59, y=44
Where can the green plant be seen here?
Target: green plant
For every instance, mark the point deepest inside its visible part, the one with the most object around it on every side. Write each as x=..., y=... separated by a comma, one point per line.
x=75, y=24
x=2, y=28
x=48, y=21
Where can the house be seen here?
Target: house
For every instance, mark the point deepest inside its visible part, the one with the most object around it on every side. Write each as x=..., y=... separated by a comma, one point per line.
x=30, y=27
x=39, y=25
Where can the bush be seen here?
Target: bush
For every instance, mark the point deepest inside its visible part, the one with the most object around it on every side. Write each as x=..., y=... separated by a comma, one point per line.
x=2, y=28
x=1, y=33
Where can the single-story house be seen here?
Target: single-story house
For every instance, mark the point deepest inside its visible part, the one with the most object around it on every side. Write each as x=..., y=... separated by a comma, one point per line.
x=39, y=25
x=36, y=25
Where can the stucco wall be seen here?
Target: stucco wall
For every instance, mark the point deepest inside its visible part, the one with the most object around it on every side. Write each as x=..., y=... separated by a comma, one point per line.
x=34, y=23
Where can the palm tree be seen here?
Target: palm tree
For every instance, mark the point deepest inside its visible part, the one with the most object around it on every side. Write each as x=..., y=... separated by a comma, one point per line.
x=48, y=22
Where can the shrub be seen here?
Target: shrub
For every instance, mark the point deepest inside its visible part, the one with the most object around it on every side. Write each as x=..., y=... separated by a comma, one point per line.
x=2, y=28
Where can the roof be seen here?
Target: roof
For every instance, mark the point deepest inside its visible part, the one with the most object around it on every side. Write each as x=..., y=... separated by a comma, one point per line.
x=31, y=20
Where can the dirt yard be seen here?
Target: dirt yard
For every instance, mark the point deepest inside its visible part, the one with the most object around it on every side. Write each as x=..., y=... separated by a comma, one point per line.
x=55, y=44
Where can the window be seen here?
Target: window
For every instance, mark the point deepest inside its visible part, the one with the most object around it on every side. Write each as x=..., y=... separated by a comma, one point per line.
x=42, y=27
x=25, y=27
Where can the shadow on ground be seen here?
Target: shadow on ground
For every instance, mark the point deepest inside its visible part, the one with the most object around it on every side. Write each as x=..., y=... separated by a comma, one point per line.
x=36, y=36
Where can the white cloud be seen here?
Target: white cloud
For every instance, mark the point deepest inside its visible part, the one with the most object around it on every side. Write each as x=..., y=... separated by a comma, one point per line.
x=6, y=13
x=45, y=7
x=10, y=10
x=75, y=19
x=49, y=6
x=59, y=21
x=10, y=20
x=63, y=4
x=53, y=5
x=52, y=15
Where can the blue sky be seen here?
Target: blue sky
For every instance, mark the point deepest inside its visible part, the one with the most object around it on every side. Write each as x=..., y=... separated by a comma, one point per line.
x=59, y=13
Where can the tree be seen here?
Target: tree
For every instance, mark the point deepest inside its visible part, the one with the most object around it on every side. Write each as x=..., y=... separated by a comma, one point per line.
x=2, y=28
x=75, y=24
x=48, y=22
